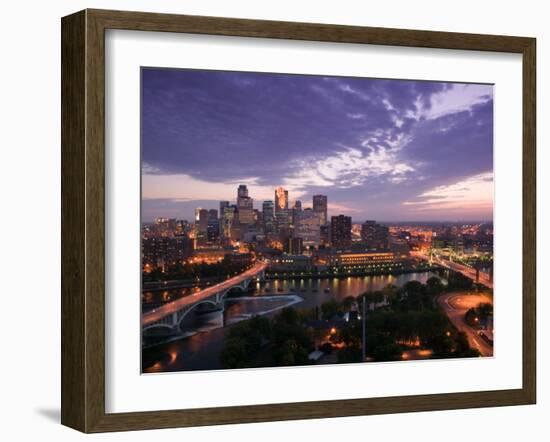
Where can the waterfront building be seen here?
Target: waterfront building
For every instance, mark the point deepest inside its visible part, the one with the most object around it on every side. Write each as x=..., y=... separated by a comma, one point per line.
x=290, y=263
x=294, y=246
x=367, y=261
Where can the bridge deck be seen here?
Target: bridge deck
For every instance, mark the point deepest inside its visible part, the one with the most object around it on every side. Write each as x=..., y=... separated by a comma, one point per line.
x=469, y=272
x=175, y=306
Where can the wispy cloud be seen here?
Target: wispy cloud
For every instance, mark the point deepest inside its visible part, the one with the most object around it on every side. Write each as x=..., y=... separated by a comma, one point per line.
x=474, y=193
x=458, y=98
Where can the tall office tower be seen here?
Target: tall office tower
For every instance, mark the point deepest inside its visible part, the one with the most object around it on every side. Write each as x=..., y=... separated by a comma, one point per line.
x=242, y=192
x=227, y=220
x=223, y=205
x=245, y=206
x=374, y=235
x=268, y=217
x=308, y=227
x=213, y=226
x=282, y=215
x=201, y=225
x=320, y=206
x=340, y=231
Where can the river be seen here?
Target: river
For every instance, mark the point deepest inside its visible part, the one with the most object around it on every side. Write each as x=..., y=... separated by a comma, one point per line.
x=200, y=350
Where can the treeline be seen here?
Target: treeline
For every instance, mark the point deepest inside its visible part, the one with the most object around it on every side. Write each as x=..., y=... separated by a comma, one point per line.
x=399, y=319
x=263, y=342
x=189, y=271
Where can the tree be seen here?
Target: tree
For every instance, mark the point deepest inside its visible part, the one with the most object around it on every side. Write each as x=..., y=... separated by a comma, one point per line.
x=329, y=309
x=434, y=286
x=234, y=354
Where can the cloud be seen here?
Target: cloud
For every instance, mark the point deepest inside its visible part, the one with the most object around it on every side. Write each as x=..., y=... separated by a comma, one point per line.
x=182, y=187
x=349, y=167
x=474, y=193
x=458, y=98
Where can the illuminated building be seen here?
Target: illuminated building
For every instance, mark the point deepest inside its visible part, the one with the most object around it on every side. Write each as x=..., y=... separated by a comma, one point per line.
x=164, y=251
x=294, y=246
x=228, y=220
x=201, y=226
x=365, y=260
x=268, y=217
x=281, y=199
x=340, y=231
x=213, y=226
x=245, y=206
x=290, y=263
x=374, y=236
x=320, y=206
x=282, y=215
x=308, y=227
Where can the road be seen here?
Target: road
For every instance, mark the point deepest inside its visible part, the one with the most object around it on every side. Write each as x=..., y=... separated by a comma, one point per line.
x=469, y=272
x=455, y=306
x=172, y=307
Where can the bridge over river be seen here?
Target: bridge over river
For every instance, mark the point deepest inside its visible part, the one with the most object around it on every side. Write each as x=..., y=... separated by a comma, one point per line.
x=475, y=275
x=169, y=316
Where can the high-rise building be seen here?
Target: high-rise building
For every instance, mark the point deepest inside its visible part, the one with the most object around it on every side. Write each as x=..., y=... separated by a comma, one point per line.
x=268, y=217
x=340, y=231
x=213, y=226
x=308, y=227
x=281, y=199
x=201, y=225
x=374, y=235
x=242, y=192
x=245, y=206
x=282, y=213
x=320, y=206
x=228, y=220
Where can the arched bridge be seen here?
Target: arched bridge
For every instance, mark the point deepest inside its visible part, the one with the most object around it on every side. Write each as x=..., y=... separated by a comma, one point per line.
x=170, y=316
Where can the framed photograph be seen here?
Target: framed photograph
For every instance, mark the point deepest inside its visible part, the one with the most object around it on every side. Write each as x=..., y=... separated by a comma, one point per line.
x=268, y=220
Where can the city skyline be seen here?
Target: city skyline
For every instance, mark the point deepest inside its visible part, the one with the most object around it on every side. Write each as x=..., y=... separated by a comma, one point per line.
x=391, y=150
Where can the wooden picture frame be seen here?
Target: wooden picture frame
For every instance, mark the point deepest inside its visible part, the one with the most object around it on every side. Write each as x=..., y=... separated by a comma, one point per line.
x=83, y=220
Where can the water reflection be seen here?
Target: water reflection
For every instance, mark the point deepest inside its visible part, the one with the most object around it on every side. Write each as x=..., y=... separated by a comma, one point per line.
x=200, y=350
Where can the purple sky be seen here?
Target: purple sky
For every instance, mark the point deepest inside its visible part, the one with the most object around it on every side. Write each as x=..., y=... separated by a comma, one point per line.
x=380, y=149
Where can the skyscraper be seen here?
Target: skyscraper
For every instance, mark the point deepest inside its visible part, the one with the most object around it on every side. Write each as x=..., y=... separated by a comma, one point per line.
x=281, y=199
x=374, y=235
x=213, y=226
x=282, y=215
x=340, y=231
x=320, y=206
x=245, y=206
x=307, y=227
x=268, y=217
x=201, y=225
